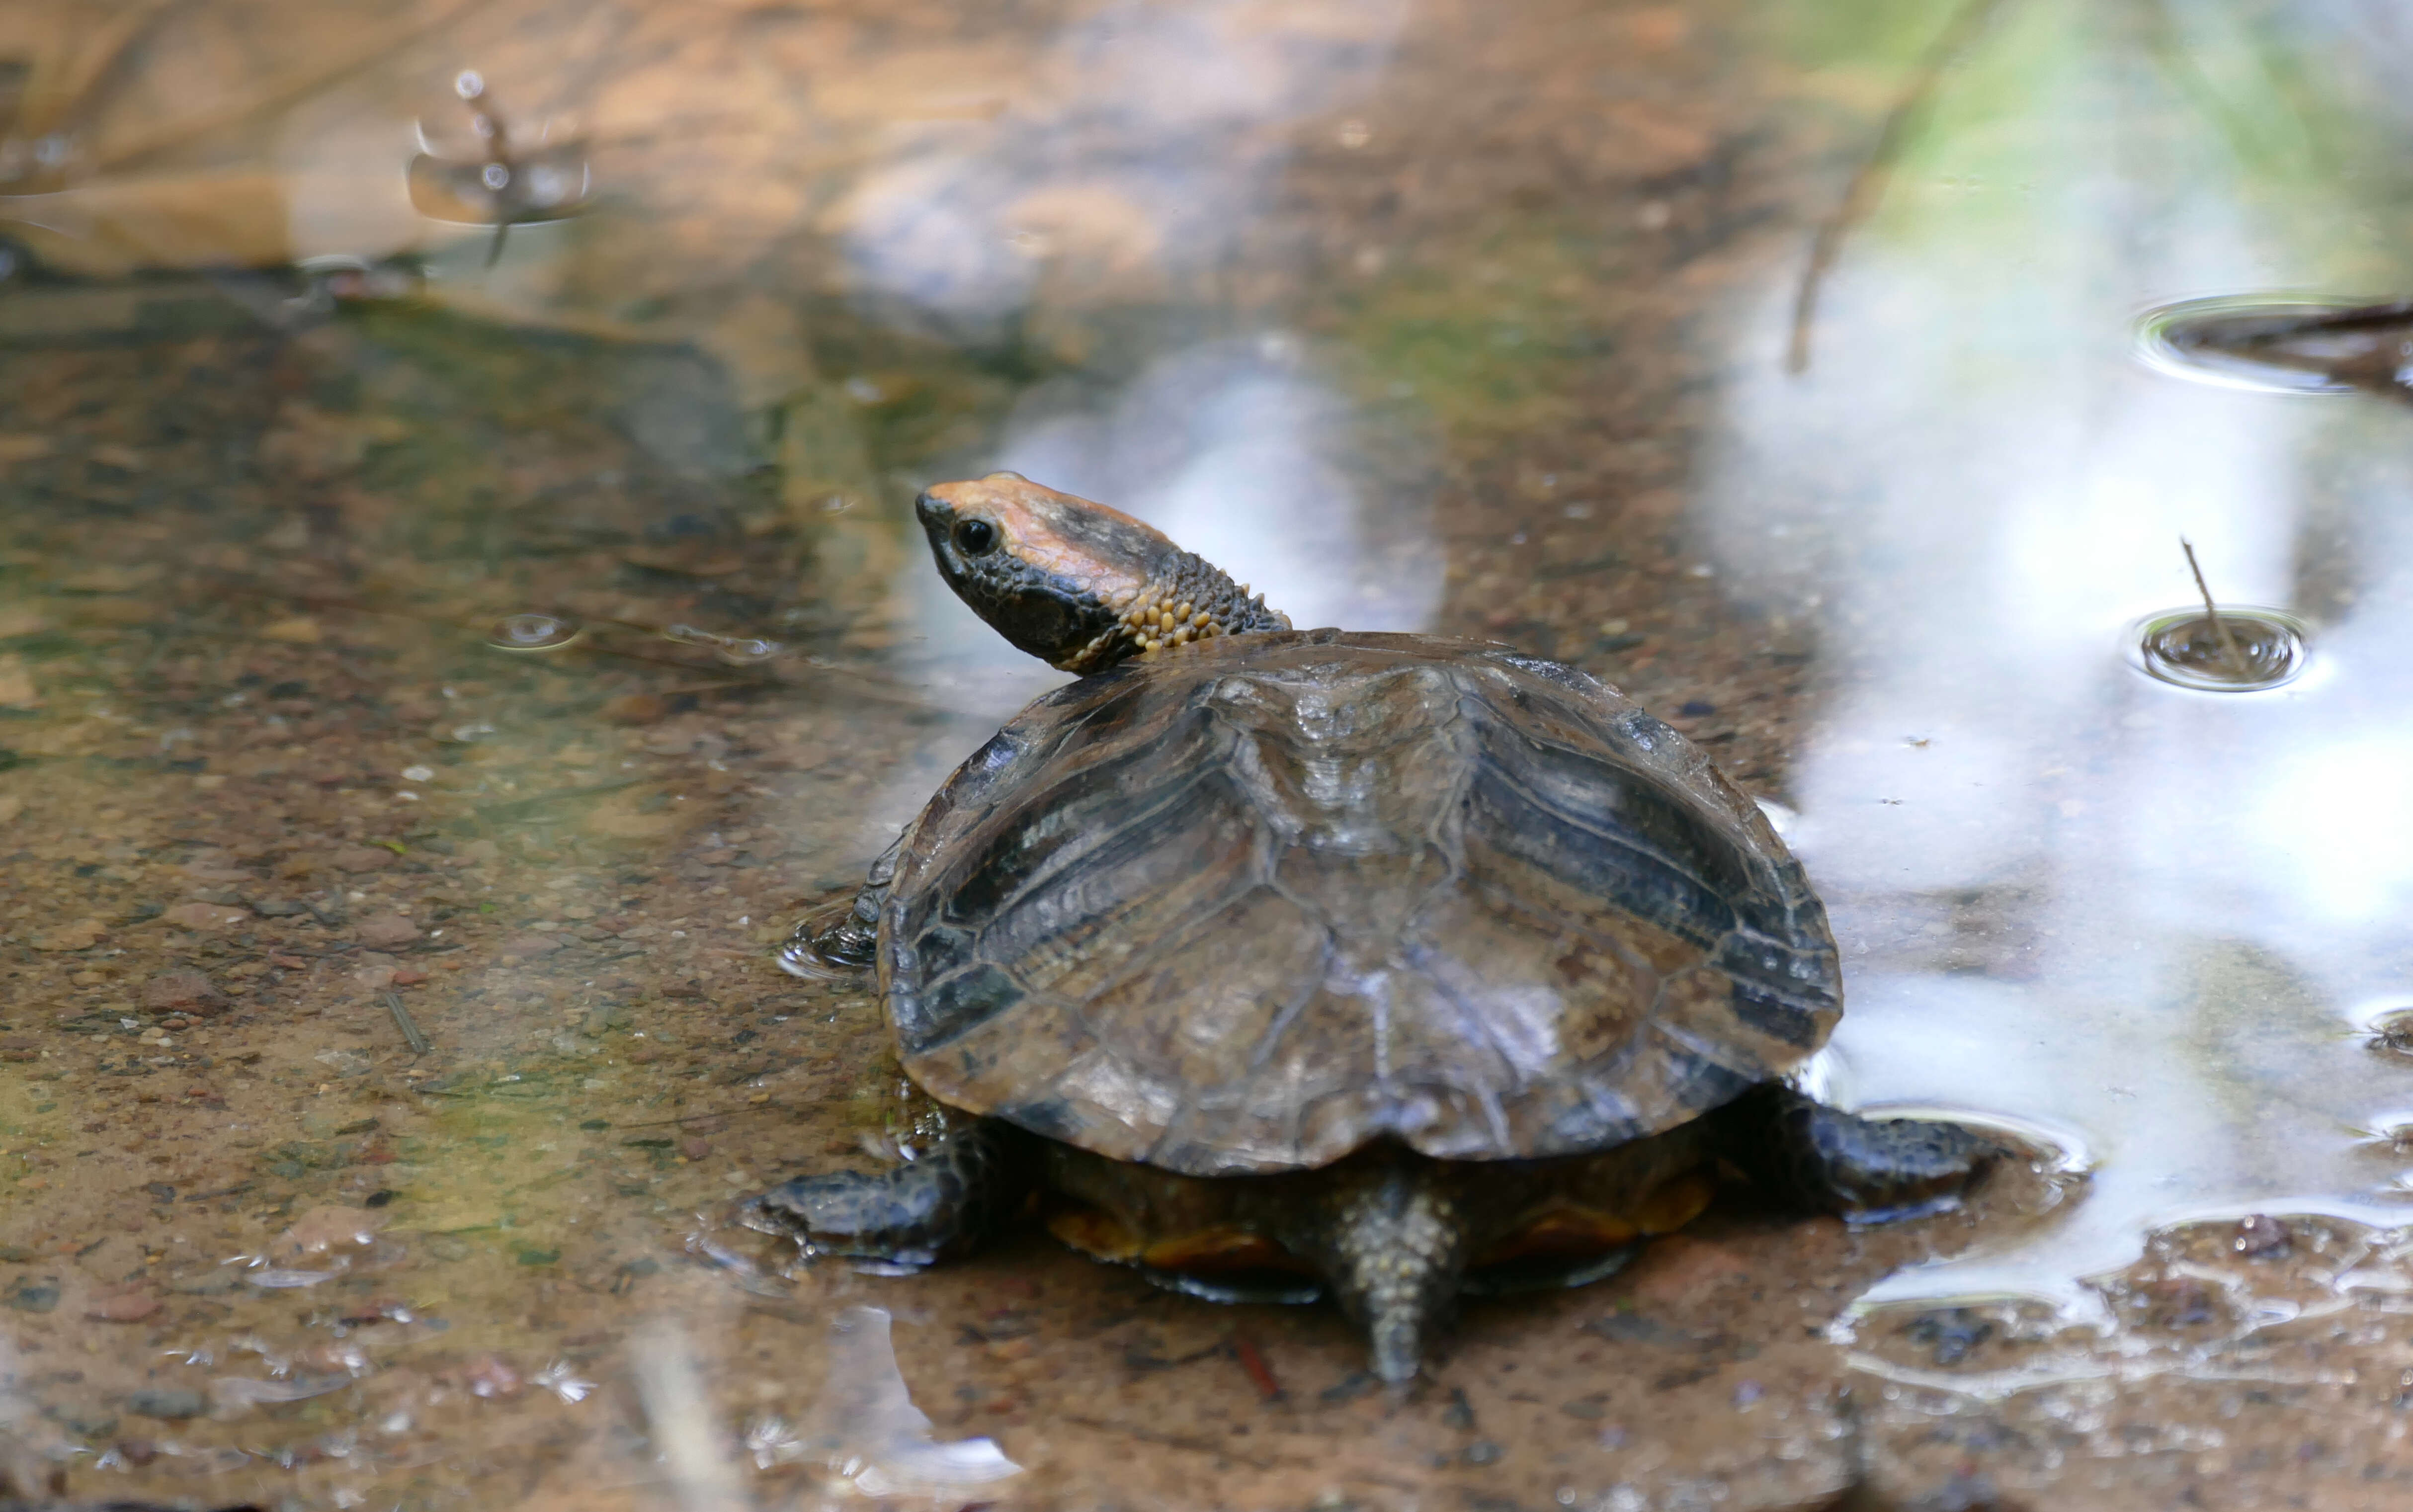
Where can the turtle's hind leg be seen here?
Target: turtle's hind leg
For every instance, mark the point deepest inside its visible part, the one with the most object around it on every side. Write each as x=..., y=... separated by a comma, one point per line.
x=943, y=1205
x=1869, y=1170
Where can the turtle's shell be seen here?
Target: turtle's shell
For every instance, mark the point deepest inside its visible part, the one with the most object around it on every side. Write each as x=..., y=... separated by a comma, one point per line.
x=1249, y=905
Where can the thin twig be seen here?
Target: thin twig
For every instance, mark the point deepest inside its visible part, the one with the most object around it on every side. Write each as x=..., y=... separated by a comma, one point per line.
x=2219, y=626
x=1868, y=185
x=411, y=1034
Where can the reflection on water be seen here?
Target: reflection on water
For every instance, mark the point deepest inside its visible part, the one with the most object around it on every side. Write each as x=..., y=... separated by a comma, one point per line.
x=1131, y=148
x=2146, y=916
x=2281, y=345
x=865, y=1430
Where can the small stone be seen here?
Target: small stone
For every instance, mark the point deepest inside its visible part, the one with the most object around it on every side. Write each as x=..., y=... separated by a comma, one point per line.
x=31, y=1295
x=363, y=858
x=635, y=709
x=384, y=932
x=205, y=916
x=82, y=935
x=322, y=1230
x=695, y=1150
x=404, y=976
x=301, y=631
x=18, y=1047
x=1953, y=1333
x=125, y=1307
x=166, y=1402
x=529, y=946
x=2261, y=1236
x=189, y=991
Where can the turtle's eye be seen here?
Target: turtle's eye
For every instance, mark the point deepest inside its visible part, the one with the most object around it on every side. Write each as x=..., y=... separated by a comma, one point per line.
x=975, y=537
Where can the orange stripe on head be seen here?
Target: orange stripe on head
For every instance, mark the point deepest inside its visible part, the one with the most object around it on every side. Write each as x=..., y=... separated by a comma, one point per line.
x=1077, y=541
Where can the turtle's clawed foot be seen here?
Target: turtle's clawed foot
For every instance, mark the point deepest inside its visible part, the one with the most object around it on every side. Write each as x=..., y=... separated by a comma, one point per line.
x=933, y=1208
x=823, y=946
x=842, y=941
x=1869, y=1170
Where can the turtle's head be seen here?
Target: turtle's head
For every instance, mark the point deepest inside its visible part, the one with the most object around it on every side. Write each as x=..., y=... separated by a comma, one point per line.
x=1074, y=583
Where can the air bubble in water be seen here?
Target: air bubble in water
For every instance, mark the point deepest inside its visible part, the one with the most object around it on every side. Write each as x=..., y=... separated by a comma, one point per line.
x=746, y=651
x=533, y=632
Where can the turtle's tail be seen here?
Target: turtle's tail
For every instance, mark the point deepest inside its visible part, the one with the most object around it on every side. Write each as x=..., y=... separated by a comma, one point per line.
x=1392, y=1243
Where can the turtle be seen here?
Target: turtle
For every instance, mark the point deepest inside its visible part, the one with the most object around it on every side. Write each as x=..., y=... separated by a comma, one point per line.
x=1279, y=963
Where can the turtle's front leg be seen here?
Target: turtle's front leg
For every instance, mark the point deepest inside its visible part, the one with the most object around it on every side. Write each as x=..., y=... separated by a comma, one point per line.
x=818, y=949
x=942, y=1205
x=1869, y=1170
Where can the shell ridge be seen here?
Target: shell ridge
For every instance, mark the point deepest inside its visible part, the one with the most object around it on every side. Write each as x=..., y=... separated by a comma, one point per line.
x=1562, y=927
x=1244, y=758
x=1447, y=833
x=1758, y=866
x=1163, y=945
x=1472, y=1018
x=1684, y=922
x=1699, y=1058
x=1279, y=1027
x=1063, y=843
x=1177, y=1130
x=1077, y=847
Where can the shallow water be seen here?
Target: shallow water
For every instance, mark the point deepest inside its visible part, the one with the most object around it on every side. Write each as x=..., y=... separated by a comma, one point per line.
x=500, y=640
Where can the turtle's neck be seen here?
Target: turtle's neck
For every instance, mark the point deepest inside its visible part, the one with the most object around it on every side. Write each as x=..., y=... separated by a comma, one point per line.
x=1186, y=599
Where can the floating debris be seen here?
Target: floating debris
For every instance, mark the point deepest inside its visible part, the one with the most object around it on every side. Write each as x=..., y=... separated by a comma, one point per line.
x=736, y=650
x=2393, y=1032
x=280, y=1276
x=680, y=1422
x=332, y=281
x=2281, y=345
x=508, y=185
x=563, y=1382
x=2239, y=648
x=234, y=1393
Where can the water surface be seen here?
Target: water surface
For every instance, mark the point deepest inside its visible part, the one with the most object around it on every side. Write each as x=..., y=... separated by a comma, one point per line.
x=525, y=624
